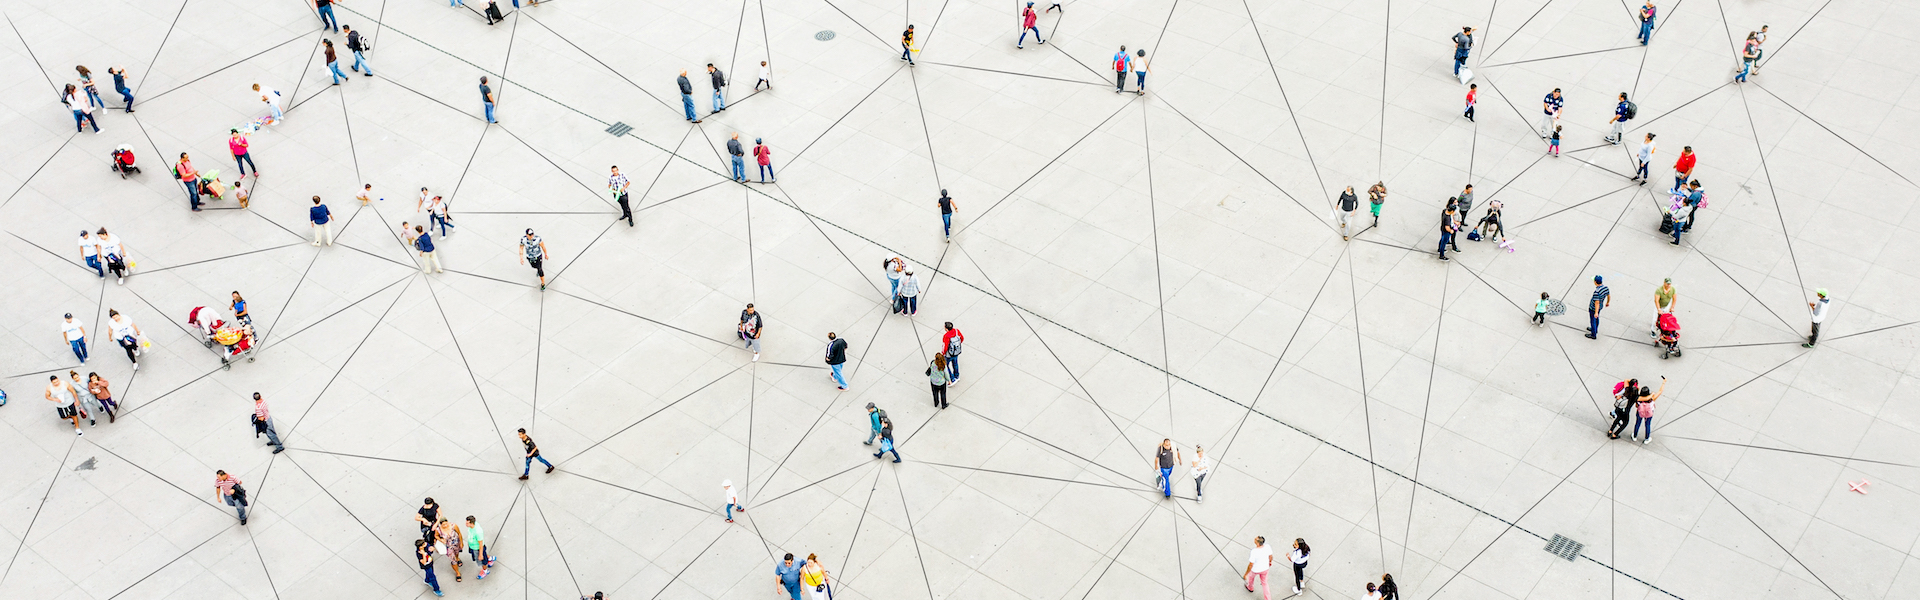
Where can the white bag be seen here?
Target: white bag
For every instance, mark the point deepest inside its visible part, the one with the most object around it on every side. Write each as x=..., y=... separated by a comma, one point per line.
x=1466, y=75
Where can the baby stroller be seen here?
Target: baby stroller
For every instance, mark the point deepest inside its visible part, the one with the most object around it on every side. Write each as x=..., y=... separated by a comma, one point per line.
x=1669, y=336
x=123, y=161
x=235, y=342
x=206, y=322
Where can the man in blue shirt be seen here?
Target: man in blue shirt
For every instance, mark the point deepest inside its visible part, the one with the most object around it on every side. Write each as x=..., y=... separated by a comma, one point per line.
x=787, y=574
x=322, y=222
x=1602, y=298
x=874, y=416
x=1619, y=121
x=423, y=242
x=1646, y=23
x=1121, y=62
x=1550, y=109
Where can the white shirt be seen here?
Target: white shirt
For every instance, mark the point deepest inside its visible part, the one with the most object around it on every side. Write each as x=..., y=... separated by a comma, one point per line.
x=733, y=497
x=1646, y=151
x=110, y=246
x=75, y=103
x=270, y=95
x=1820, y=310
x=1297, y=558
x=89, y=247
x=766, y=73
x=362, y=196
x=1261, y=557
x=437, y=206
x=72, y=329
x=1202, y=466
x=121, y=326
x=62, y=393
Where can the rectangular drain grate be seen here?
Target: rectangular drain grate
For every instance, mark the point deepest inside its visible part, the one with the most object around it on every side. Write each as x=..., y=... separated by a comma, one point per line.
x=619, y=129
x=1565, y=548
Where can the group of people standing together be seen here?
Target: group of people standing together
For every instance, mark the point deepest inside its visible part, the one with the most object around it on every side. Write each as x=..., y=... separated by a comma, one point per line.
x=83, y=96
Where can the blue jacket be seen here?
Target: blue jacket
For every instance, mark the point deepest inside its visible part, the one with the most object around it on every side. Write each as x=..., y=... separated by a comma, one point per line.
x=319, y=214
x=424, y=243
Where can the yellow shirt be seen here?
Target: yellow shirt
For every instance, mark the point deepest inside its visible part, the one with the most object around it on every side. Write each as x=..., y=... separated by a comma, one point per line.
x=812, y=577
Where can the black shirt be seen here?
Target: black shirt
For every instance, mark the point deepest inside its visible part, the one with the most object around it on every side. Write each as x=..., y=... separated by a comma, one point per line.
x=906, y=37
x=752, y=322
x=532, y=449
x=431, y=513
x=733, y=147
x=425, y=556
x=1166, y=457
x=946, y=205
x=486, y=93
x=1446, y=222
x=837, y=351
x=686, y=87
x=719, y=79
x=353, y=42
x=1348, y=201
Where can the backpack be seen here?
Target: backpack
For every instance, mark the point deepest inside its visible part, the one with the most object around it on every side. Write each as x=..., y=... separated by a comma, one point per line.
x=1633, y=110
x=936, y=376
x=954, y=348
x=1120, y=62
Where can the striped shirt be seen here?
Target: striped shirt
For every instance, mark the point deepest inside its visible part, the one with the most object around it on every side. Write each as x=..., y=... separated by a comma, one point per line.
x=1600, y=294
x=226, y=485
x=260, y=410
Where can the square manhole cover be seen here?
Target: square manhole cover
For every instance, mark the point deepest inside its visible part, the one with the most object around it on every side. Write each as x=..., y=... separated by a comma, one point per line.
x=1564, y=547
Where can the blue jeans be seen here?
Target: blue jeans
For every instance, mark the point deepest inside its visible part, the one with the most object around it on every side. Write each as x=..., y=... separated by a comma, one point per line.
x=79, y=348
x=335, y=68
x=1746, y=67
x=489, y=111
x=906, y=53
x=93, y=98
x=1593, y=323
x=1679, y=227
x=911, y=304
x=1023, y=36
x=1641, y=171
x=238, y=508
x=1646, y=31
x=1639, y=422
x=953, y=367
x=126, y=94
x=895, y=291
x=1459, y=60
x=719, y=101
x=766, y=173
x=739, y=169
x=1140, y=81
x=686, y=101
x=245, y=160
x=273, y=437
x=432, y=220
x=1166, y=482
x=81, y=118
x=432, y=581
x=1446, y=239
x=94, y=261
x=837, y=377
x=886, y=445
x=529, y=467
x=326, y=17
x=193, y=193
x=274, y=109
x=946, y=223
x=360, y=63
x=730, y=511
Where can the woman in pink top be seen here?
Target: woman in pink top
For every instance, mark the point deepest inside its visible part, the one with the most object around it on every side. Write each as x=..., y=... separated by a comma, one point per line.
x=238, y=144
x=760, y=151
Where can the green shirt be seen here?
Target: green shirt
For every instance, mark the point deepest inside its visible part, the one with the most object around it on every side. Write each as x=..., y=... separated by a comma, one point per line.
x=1541, y=306
x=1663, y=297
x=474, y=535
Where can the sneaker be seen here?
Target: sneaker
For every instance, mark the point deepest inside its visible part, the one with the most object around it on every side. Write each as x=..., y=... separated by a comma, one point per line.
x=875, y=455
x=76, y=431
x=1644, y=442
x=243, y=521
x=549, y=468
x=1806, y=345
x=279, y=449
x=896, y=460
x=523, y=478
x=869, y=442
x=756, y=357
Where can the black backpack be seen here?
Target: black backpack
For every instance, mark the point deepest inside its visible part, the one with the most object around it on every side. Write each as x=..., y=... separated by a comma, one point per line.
x=1633, y=110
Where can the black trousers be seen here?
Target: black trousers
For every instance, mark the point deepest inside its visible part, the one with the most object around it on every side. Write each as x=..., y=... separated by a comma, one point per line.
x=1619, y=423
x=625, y=212
x=940, y=396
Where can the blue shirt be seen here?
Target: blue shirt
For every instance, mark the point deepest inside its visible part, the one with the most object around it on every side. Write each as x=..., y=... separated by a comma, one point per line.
x=1553, y=104
x=424, y=243
x=1600, y=294
x=790, y=576
x=1621, y=110
x=319, y=214
x=119, y=82
x=1122, y=60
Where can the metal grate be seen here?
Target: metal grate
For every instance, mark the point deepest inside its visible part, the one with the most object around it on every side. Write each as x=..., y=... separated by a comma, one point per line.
x=824, y=35
x=1565, y=548
x=619, y=129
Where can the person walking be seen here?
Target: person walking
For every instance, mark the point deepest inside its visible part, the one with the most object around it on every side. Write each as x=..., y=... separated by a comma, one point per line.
x=103, y=396
x=1602, y=298
x=946, y=214
x=937, y=376
x=533, y=252
x=1818, y=309
x=1462, y=45
x=436, y=208
x=787, y=575
x=90, y=252
x=188, y=177
x=1377, y=196
x=358, y=46
x=477, y=549
x=886, y=440
x=271, y=97
x=322, y=220
x=237, y=143
x=65, y=399
x=1683, y=169
x=88, y=402
x=486, y=99
x=1200, y=467
x=122, y=331
x=423, y=242
x=76, y=336
x=1164, y=458
x=227, y=489
x=895, y=266
x=1473, y=95
x=766, y=77
x=114, y=254
x=950, y=347
x=1624, y=395
x=763, y=155
x=733, y=499
x=424, y=554
x=325, y=9
x=87, y=86
x=738, y=157
x=1550, y=111
x=446, y=540
x=533, y=453
x=1749, y=54
x=1348, y=204
x=686, y=96
x=333, y=62
x=814, y=578
x=82, y=110
x=906, y=54
x=909, y=303
x=874, y=416
x=120, y=85
x=1553, y=144
x=1298, y=556
x=263, y=423
x=617, y=184
x=1120, y=63
x=1140, y=72
x=1664, y=298
x=1540, y=309
x=836, y=357
x=1028, y=18
x=1644, y=158
x=750, y=330
x=1259, y=561
x=1622, y=112
x=1447, y=226
x=1643, y=411
x=1759, y=38
x=1646, y=22
x=1388, y=589
x=719, y=84
x=427, y=515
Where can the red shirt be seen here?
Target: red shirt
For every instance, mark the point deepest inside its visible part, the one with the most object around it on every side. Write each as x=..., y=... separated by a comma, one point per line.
x=186, y=171
x=763, y=153
x=1470, y=95
x=1685, y=164
x=946, y=341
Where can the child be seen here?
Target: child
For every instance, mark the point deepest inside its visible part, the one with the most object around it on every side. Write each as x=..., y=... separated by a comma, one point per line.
x=240, y=192
x=365, y=194
x=1540, y=310
x=766, y=77
x=1472, y=90
x=1553, y=145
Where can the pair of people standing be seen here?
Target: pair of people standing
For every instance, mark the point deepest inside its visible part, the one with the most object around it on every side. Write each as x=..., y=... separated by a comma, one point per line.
x=761, y=154
x=944, y=370
x=1123, y=62
x=1631, y=397
x=1260, y=561
x=905, y=293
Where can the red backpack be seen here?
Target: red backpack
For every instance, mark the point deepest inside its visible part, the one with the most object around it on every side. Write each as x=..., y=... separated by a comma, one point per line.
x=1120, y=61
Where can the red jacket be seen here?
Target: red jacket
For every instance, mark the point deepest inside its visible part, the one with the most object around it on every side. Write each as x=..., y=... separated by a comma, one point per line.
x=946, y=341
